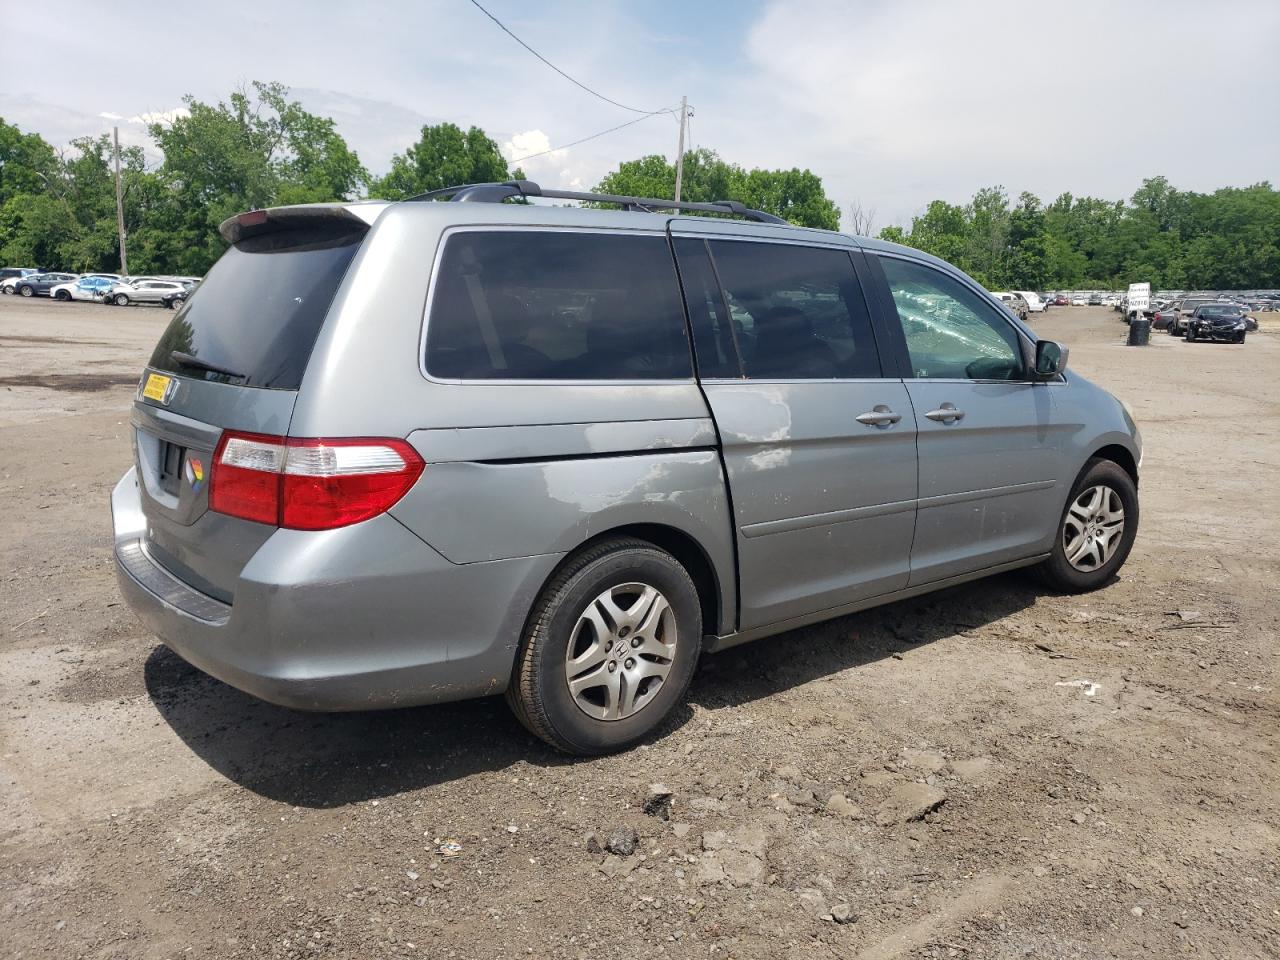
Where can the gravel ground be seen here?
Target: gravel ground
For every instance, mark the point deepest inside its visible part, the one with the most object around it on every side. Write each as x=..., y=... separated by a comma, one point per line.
x=986, y=772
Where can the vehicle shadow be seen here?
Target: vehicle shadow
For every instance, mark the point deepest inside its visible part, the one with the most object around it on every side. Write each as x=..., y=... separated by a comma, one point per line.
x=329, y=760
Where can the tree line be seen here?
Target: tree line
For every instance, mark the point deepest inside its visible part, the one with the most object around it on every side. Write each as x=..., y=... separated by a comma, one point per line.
x=1175, y=239
x=260, y=148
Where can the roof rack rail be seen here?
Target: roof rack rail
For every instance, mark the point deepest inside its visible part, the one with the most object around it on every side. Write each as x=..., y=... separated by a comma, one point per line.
x=512, y=189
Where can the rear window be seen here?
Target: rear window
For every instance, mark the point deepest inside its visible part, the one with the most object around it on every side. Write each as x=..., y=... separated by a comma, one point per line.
x=542, y=305
x=255, y=318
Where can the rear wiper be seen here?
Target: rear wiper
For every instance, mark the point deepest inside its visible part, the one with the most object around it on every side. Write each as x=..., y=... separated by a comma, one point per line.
x=191, y=360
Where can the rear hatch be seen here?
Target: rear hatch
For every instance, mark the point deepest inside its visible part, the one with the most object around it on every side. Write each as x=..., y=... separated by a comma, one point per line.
x=233, y=359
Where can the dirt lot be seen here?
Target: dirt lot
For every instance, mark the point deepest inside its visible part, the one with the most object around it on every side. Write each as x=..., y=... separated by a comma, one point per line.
x=1109, y=762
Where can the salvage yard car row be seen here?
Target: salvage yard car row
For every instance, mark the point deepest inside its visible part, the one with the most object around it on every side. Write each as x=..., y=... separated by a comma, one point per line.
x=107, y=288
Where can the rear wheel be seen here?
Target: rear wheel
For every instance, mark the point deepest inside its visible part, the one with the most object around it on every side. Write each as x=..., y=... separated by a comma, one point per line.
x=609, y=649
x=1096, y=531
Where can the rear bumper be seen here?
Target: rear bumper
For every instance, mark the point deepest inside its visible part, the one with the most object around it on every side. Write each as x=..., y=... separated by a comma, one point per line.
x=363, y=617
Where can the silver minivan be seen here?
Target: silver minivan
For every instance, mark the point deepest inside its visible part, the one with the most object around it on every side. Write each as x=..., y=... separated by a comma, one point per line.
x=402, y=453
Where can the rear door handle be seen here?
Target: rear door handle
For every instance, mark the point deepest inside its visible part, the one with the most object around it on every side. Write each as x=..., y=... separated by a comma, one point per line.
x=879, y=416
x=947, y=413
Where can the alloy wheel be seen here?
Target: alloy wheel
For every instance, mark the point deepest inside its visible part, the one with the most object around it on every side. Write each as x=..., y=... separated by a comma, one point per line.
x=1093, y=528
x=621, y=651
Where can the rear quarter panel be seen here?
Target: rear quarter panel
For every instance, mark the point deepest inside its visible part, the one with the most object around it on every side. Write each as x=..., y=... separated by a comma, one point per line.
x=513, y=470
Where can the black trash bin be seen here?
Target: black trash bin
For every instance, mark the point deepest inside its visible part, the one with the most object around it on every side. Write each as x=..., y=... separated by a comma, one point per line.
x=1139, y=332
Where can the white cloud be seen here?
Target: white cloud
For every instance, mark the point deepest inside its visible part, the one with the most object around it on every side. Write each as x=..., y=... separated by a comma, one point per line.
x=164, y=117
x=893, y=104
x=900, y=103
x=107, y=115
x=530, y=146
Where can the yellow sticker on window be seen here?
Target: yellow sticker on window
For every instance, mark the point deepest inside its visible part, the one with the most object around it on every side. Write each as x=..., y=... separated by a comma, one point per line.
x=157, y=385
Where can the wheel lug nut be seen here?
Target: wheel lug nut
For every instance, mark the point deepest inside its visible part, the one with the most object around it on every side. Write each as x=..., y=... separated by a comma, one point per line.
x=613, y=665
x=635, y=641
x=630, y=663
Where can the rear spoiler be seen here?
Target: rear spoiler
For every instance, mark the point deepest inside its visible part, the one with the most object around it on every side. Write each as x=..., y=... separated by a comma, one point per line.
x=255, y=222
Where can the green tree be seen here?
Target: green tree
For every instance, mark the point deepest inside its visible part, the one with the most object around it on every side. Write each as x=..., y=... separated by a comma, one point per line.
x=444, y=156
x=795, y=195
x=27, y=162
x=256, y=150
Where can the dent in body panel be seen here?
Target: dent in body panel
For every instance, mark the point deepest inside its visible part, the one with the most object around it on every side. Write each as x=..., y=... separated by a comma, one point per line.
x=825, y=505
x=473, y=512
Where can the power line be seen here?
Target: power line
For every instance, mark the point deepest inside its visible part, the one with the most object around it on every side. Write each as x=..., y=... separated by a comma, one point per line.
x=502, y=26
x=566, y=146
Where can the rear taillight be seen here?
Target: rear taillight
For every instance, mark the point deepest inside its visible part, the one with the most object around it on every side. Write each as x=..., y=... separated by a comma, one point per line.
x=309, y=484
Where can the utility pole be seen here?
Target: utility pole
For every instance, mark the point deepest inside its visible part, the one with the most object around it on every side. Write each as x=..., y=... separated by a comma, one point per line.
x=124, y=259
x=684, y=112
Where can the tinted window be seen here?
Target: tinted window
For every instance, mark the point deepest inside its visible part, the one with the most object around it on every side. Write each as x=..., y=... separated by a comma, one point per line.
x=537, y=305
x=796, y=312
x=952, y=333
x=259, y=311
x=712, y=333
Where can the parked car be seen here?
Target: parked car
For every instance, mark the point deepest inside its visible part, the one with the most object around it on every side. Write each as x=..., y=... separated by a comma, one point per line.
x=1217, y=321
x=556, y=497
x=86, y=288
x=1034, y=303
x=1095, y=300
x=1186, y=308
x=1163, y=317
x=164, y=292
x=39, y=284
x=15, y=274
x=1061, y=301
x=1079, y=301
x=1016, y=303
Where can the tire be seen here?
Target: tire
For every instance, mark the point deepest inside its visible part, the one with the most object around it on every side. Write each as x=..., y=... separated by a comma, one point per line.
x=1058, y=572
x=26, y=290
x=1239, y=337
x=121, y=299
x=566, y=613
x=62, y=295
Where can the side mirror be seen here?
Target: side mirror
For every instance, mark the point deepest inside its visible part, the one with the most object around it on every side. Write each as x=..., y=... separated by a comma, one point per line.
x=1051, y=359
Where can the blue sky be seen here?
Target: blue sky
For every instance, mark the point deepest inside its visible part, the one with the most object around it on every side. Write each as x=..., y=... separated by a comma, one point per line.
x=893, y=104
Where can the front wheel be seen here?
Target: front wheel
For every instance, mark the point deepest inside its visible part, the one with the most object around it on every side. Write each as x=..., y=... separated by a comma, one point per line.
x=609, y=650
x=122, y=299
x=1096, y=531
x=27, y=291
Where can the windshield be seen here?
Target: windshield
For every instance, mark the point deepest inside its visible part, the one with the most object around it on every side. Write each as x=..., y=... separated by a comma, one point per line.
x=255, y=318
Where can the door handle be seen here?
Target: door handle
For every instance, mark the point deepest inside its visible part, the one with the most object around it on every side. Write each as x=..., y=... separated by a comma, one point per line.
x=947, y=413
x=879, y=416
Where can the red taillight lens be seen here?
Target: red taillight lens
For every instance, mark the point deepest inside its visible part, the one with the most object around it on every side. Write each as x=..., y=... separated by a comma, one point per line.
x=310, y=484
